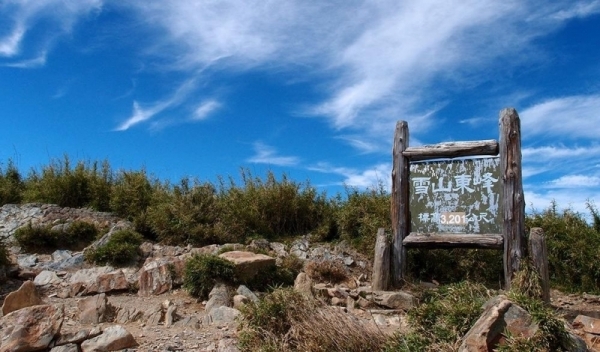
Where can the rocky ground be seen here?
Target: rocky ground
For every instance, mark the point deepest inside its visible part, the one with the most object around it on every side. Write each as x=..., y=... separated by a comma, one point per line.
x=57, y=302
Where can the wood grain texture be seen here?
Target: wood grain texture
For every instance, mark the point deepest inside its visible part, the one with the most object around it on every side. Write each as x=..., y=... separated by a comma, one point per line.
x=452, y=150
x=539, y=256
x=399, y=206
x=454, y=240
x=381, y=263
x=513, y=201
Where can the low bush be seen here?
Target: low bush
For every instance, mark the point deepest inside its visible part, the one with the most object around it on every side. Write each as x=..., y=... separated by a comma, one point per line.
x=573, y=246
x=11, y=185
x=270, y=208
x=455, y=265
x=279, y=276
x=361, y=214
x=121, y=249
x=202, y=272
x=42, y=239
x=326, y=271
x=36, y=238
x=286, y=320
x=551, y=335
x=188, y=216
x=443, y=317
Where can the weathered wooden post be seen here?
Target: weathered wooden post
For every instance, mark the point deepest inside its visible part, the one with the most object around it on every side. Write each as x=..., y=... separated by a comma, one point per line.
x=381, y=263
x=513, y=201
x=399, y=206
x=539, y=256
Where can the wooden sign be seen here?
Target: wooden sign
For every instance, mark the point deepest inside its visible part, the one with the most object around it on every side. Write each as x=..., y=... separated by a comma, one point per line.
x=456, y=196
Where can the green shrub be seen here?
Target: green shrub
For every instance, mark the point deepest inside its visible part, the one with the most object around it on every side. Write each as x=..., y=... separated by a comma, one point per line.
x=121, y=249
x=455, y=265
x=131, y=194
x=360, y=216
x=551, y=335
x=11, y=185
x=42, y=239
x=202, y=272
x=60, y=183
x=279, y=276
x=189, y=216
x=443, y=317
x=36, y=238
x=573, y=247
x=270, y=208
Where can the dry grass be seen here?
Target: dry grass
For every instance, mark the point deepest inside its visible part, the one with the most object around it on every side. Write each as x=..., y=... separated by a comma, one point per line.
x=326, y=271
x=288, y=321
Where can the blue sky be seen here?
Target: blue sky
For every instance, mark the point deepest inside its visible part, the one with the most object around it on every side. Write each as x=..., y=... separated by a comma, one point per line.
x=312, y=89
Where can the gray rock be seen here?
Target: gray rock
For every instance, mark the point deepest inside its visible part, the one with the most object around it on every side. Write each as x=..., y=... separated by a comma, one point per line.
x=89, y=276
x=61, y=254
x=154, y=316
x=113, y=338
x=246, y=292
x=218, y=296
x=66, y=348
x=304, y=284
x=76, y=337
x=278, y=248
x=394, y=299
x=191, y=322
x=76, y=261
x=127, y=315
x=239, y=301
x=300, y=248
x=227, y=345
x=221, y=315
x=170, y=315
x=46, y=277
x=93, y=309
x=27, y=260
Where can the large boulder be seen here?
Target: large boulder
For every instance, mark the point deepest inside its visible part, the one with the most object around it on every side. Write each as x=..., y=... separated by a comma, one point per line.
x=500, y=316
x=113, y=338
x=113, y=281
x=25, y=296
x=160, y=275
x=248, y=264
x=31, y=328
x=93, y=309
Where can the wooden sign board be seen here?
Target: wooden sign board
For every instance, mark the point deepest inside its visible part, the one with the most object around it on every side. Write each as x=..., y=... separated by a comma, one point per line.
x=456, y=196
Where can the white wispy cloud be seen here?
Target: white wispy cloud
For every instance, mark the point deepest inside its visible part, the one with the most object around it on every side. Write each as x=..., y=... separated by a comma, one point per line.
x=571, y=198
x=59, y=17
x=570, y=117
x=370, y=177
x=558, y=153
x=205, y=109
x=38, y=61
x=9, y=45
x=141, y=114
x=574, y=181
x=386, y=57
x=265, y=154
